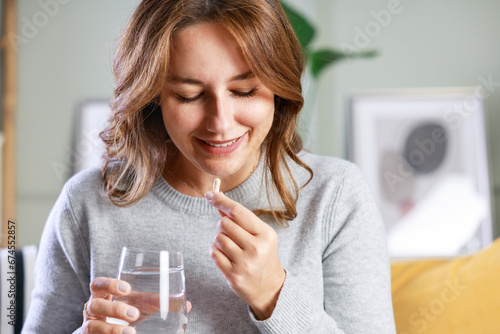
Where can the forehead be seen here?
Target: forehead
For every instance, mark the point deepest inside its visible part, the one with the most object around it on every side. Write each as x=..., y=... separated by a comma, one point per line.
x=205, y=49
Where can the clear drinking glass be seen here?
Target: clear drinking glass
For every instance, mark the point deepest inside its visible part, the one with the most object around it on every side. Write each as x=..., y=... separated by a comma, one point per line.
x=158, y=290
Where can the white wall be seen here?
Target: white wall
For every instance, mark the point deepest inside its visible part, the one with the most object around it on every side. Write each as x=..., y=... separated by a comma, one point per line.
x=427, y=44
x=67, y=60
x=64, y=59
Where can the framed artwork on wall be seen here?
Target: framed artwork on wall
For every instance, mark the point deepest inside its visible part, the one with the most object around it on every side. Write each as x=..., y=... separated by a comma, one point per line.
x=424, y=155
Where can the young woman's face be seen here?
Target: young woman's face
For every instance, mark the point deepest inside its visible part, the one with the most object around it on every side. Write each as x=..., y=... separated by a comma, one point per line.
x=215, y=110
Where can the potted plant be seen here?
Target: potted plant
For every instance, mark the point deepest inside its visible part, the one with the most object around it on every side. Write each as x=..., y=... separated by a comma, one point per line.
x=317, y=61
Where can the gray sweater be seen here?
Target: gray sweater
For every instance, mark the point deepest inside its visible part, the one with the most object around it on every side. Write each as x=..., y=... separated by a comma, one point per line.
x=334, y=252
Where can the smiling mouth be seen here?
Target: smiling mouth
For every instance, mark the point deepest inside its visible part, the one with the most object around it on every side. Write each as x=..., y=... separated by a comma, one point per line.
x=229, y=143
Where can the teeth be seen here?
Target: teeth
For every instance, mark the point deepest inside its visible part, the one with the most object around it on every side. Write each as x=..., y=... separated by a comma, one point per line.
x=223, y=145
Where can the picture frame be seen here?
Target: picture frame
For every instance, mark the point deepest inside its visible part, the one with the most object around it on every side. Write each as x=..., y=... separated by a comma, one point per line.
x=92, y=118
x=424, y=155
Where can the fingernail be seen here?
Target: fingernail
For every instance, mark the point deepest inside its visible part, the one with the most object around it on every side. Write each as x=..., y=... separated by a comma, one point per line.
x=127, y=330
x=209, y=195
x=132, y=312
x=123, y=287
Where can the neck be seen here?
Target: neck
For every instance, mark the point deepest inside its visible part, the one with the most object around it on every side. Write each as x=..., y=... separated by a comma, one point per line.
x=192, y=181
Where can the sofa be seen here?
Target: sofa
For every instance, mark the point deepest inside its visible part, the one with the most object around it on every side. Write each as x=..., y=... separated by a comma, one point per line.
x=458, y=296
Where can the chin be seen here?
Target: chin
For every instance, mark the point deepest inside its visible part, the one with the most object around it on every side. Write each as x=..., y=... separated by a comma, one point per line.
x=223, y=169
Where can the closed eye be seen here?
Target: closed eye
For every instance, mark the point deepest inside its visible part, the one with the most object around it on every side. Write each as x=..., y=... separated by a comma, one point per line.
x=250, y=93
x=187, y=100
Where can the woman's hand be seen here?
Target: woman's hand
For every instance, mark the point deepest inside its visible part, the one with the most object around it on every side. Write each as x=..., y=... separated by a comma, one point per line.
x=100, y=306
x=129, y=306
x=246, y=252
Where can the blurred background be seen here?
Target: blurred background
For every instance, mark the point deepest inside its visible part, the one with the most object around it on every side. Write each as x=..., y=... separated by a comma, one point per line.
x=64, y=57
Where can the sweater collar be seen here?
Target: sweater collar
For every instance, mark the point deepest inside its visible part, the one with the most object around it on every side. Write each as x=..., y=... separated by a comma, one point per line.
x=248, y=194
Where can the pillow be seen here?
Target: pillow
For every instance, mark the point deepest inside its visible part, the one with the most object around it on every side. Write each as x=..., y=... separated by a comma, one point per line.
x=460, y=295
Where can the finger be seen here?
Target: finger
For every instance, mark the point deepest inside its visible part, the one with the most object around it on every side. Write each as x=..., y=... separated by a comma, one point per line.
x=98, y=326
x=227, y=246
x=102, y=287
x=99, y=307
x=88, y=314
x=237, y=212
x=189, y=306
x=235, y=232
x=220, y=260
x=222, y=214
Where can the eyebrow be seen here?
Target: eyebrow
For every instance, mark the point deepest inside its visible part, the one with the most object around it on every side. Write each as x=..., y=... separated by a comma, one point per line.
x=239, y=77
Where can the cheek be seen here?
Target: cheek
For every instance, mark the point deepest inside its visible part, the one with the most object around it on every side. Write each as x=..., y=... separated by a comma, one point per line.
x=260, y=114
x=179, y=120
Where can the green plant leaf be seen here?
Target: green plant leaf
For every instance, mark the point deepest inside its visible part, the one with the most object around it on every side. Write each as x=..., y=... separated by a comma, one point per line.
x=303, y=29
x=320, y=59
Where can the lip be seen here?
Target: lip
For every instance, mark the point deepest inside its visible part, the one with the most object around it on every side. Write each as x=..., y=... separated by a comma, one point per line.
x=213, y=150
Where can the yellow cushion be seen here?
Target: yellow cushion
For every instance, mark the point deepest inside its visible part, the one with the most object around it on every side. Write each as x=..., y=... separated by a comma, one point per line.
x=456, y=296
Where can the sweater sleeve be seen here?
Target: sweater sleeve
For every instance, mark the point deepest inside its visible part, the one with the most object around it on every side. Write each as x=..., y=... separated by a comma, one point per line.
x=61, y=274
x=356, y=272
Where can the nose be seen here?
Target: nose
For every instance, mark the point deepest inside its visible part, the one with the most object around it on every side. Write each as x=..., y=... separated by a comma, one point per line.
x=219, y=115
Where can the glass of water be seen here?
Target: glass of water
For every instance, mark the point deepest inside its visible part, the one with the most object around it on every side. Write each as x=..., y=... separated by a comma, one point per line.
x=158, y=290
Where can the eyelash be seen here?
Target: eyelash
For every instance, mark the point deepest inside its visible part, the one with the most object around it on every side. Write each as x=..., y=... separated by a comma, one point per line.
x=186, y=100
x=250, y=93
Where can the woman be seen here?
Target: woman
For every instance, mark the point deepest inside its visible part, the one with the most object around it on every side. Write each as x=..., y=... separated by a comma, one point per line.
x=208, y=89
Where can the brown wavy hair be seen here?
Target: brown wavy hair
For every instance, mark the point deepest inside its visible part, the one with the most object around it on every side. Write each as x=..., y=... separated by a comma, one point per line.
x=136, y=148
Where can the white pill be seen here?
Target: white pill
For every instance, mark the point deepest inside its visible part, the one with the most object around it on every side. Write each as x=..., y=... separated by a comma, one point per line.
x=217, y=185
